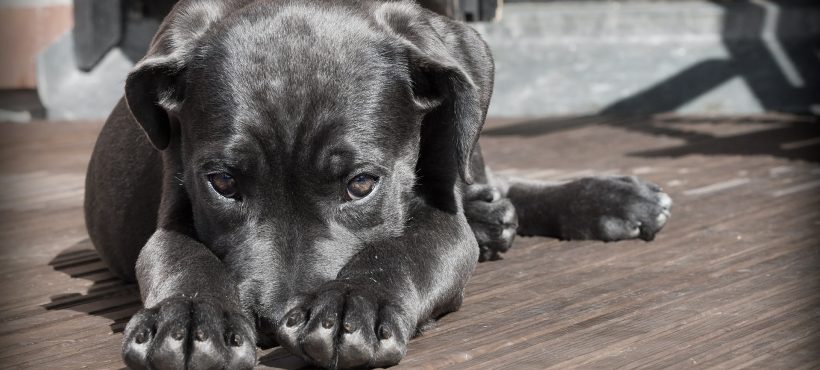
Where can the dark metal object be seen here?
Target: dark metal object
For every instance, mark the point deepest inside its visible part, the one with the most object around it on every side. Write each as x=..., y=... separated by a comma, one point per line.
x=465, y=10
x=97, y=28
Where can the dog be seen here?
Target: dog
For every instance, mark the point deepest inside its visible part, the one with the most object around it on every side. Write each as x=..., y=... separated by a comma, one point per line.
x=307, y=174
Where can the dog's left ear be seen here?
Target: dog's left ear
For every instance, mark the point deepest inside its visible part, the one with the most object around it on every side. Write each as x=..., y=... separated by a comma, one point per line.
x=452, y=79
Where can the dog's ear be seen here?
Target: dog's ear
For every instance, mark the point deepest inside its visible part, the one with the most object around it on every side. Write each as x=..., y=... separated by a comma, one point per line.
x=452, y=72
x=155, y=88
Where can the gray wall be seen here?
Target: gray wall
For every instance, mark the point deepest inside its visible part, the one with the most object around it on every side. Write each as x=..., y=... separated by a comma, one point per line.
x=702, y=57
x=560, y=58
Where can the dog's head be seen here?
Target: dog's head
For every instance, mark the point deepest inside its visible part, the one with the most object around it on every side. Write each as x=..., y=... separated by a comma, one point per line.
x=301, y=132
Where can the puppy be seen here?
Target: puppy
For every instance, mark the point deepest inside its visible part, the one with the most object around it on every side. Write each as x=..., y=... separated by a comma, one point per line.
x=306, y=174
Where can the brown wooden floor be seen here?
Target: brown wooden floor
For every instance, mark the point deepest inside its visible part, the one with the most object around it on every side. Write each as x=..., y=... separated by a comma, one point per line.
x=731, y=282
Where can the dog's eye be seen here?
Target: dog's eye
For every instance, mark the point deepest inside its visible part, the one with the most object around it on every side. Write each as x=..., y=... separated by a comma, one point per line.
x=361, y=185
x=224, y=184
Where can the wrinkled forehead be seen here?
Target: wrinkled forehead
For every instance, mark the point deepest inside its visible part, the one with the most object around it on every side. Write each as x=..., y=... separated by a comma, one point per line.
x=252, y=150
x=299, y=59
x=296, y=76
x=299, y=63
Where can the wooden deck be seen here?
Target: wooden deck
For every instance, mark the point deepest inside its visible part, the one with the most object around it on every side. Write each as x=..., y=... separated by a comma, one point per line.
x=733, y=280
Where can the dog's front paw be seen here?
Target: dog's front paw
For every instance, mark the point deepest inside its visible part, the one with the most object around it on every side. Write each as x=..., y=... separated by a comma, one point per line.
x=615, y=208
x=195, y=333
x=344, y=326
x=492, y=219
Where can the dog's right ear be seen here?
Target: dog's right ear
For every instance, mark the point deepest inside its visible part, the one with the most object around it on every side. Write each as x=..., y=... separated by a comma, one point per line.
x=155, y=88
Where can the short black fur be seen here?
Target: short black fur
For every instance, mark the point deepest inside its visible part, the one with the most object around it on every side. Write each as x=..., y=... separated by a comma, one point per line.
x=291, y=100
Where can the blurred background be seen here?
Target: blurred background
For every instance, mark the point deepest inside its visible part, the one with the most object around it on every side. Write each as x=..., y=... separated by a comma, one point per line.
x=66, y=60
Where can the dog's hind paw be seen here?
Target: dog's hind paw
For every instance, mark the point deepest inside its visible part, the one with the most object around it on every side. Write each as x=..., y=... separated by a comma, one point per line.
x=615, y=208
x=195, y=333
x=343, y=326
x=492, y=219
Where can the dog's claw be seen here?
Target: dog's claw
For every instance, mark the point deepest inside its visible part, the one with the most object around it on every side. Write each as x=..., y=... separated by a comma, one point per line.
x=295, y=318
x=141, y=337
x=200, y=335
x=349, y=327
x=328, y=323
x=384, y=333
x=236, y=340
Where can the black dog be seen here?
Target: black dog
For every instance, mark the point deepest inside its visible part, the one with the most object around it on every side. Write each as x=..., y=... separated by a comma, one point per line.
x=306, y=173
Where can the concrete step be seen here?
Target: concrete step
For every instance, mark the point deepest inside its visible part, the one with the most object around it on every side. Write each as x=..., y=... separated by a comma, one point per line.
x=703, y=57
x=556, y=58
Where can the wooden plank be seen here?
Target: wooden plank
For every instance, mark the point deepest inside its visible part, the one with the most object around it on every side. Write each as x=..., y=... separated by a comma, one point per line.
x=731, y=282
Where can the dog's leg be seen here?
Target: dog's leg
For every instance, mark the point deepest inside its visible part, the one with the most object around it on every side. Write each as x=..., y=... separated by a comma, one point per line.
x=491, y=215
x=380, y=298
x=600, y=208
x=192, y=318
